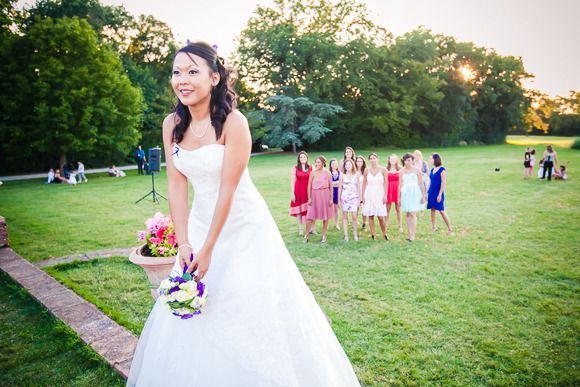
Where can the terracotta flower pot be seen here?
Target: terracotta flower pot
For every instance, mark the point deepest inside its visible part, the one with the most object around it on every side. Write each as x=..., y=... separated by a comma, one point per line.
x=156, y=268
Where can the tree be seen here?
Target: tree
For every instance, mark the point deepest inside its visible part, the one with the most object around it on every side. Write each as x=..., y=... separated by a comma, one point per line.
x=565, y=120
x=64, y=92
x=539, y=112
x=295, y=121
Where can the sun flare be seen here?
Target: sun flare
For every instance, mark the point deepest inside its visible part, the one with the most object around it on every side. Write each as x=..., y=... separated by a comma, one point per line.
x=467, y=73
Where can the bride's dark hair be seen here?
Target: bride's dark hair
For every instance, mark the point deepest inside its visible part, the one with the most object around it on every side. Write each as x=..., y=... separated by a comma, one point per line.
x=223, y=97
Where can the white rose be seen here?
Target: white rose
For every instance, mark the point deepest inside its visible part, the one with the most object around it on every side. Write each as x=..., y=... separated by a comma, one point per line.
x=182, y=296
x=165, y=284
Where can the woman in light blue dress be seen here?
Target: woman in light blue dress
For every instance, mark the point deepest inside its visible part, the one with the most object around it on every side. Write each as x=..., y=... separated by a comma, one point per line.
x=413, y=195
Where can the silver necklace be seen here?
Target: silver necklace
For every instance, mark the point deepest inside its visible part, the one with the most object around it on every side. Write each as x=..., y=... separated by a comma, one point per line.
x=204, y=132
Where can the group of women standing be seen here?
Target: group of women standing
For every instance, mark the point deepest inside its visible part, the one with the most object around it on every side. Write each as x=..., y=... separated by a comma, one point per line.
x=356, y=186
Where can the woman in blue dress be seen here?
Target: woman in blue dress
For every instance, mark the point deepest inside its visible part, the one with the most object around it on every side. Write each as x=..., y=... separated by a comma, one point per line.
x=436, y=194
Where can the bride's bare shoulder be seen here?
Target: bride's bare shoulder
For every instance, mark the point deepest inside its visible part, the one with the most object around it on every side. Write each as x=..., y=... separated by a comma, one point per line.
x=236, y=126
x=234, y=119
x=168, y=125
x=170, y=121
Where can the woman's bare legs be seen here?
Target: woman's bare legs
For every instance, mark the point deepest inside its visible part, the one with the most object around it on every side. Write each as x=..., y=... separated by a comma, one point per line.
x=399, y=217
x=345, y=224
x=433, y=220
x=411, y=225
x=300, y=221
x=324, y=230
x=383, y=226
x=447, y=222
x=372, y=226
x=354, y=226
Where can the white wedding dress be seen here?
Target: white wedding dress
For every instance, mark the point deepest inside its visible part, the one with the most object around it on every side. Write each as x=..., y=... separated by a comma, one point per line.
x=261, y=325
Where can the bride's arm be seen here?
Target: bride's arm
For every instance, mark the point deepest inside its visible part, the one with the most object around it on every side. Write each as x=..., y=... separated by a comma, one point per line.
x=177, y=192
x=238, y=144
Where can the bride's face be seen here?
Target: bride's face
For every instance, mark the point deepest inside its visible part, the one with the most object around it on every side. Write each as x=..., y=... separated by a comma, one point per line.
x=192, y=79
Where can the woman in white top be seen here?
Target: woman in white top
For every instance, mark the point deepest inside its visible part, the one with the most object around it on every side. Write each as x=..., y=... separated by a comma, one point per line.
x=374, y=194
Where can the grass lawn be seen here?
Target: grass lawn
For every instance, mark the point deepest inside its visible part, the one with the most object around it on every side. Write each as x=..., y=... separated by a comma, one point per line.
x=556, y=141
x=38, y=350
x=496, y=303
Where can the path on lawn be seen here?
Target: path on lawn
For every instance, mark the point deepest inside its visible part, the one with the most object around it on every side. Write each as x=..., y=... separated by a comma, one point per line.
x=101, y=170
x=107, y=338
x=83, y=257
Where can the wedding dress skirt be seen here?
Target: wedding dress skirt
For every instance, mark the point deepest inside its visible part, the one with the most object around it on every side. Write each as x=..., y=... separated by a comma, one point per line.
x=261, y=325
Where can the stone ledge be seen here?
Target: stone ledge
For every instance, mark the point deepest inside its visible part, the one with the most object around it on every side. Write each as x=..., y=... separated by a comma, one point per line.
x=107, y=338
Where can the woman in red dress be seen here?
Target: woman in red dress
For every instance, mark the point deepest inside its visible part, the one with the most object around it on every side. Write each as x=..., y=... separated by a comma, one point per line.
x=299, y=190
x=394, y=177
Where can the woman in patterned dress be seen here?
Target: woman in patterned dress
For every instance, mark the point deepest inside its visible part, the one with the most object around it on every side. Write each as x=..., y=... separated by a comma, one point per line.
x=349, y=191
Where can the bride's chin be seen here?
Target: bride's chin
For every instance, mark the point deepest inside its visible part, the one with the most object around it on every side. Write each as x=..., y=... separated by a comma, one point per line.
x=188, y=101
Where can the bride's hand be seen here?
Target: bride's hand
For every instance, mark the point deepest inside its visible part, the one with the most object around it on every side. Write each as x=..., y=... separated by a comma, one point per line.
x=185, y=256
x=201, y=262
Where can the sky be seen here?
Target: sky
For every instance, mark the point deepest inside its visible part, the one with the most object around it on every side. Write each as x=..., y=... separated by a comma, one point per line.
x=545, y=33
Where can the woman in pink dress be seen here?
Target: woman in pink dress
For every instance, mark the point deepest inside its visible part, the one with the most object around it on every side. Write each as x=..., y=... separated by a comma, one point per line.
x=321, y=206
x=299, y=189
x=394, y=179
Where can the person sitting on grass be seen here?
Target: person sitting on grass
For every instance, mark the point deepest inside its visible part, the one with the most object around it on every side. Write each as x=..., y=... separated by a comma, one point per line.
x=50, y=176
x=113, y=171
x=57, y=177
x=561, y=174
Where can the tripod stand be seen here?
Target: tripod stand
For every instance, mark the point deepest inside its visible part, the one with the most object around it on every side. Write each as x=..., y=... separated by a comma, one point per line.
x=156, y=195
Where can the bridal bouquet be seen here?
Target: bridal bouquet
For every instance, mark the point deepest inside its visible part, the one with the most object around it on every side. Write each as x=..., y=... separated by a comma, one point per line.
x=182, y=295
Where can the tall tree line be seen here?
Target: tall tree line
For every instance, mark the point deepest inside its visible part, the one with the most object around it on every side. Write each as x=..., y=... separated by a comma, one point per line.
x=80, y=80
x=418, y=89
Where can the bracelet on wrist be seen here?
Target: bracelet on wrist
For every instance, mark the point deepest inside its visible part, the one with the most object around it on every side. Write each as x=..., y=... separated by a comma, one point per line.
x=180, y=246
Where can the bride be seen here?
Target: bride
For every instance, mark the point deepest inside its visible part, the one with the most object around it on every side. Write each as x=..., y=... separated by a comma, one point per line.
x=261, y=325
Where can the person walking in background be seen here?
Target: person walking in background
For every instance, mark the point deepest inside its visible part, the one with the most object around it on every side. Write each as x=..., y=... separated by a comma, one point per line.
x=436, y=194
x=81, y=172
x=527, y=163
x=361, y=166
x=335, y=173
x=374, y=193
x=550, y=159
x=140, y=158
x=413, y=195
x=320, y=205
x=299, y=189
x=350, y=193
x=532, y=161
x=394, y=179
x=50, y=178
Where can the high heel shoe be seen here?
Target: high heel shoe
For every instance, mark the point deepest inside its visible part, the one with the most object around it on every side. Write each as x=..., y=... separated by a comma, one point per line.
x=323, y=240
x=374, y=237
x=346, y=238
x=305, y=239
x=386, y=237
